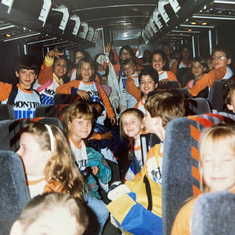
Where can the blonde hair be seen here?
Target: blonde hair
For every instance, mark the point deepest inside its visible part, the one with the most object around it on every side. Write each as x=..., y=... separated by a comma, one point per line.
x=136, y=112
x=40, y=204
x=61, y=165
x=79, y=67
x=77, y=110
x=167, y=105
x=211, y=136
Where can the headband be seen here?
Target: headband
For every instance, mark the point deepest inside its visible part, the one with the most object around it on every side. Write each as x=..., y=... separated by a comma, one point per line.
x=52, y=138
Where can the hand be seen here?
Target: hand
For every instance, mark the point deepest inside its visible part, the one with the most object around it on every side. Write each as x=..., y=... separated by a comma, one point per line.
x=83, y=94
x=108, y=47
x=95, y=170
x=113, y=120
x=55, y=53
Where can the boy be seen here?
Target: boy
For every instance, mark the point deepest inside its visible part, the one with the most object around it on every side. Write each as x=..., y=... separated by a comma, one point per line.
x=143, y=202
x=22, y=97
x=221, y=60
x=148, y=81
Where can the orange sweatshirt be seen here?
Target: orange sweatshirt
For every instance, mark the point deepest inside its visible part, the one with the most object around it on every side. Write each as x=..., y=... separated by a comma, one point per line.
x=132, y=88
x=66, y=89
x=207, y=80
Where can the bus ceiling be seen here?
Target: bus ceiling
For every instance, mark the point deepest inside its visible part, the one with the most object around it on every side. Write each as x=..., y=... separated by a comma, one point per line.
x=79, y=23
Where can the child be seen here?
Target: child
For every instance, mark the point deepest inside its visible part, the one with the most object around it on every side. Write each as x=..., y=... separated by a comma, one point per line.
x=184, y=59
x=230, y=94
x=217, y=166
x=133, y=93
x=221, y=60
x=49, y=166
x=53, y=70
x=134, y=206
x=104, y=84
x=131, y=125
x=51, y=213
x=198, y=68
x=87, y=89
x=160, y=64
x=148, y=80
x=167, y=49
x=22, y=97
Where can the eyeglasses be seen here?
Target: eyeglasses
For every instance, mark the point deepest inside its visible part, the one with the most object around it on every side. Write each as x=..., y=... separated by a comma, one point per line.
x=220, y=57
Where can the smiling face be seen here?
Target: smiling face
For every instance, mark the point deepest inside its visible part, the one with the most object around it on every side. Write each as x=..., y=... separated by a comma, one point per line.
x=197, y=69
x=60, y=68
x=129, y=70
x=86, y=72
x=26, y=77
x=33, y=157
x=125, y=55
x=218, y=166
x=147, y=85
x=219, y=59
x=80, y=128
x=132, y=125
x=158, y=62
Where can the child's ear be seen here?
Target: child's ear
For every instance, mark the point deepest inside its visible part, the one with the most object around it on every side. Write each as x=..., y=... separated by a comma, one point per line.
x=17, y=74
x=156, y=85
x=47, y=155
x=16, y=228
x=230, y=107
x=229, y=61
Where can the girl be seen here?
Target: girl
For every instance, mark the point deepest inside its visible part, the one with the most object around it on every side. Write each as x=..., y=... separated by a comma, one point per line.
x=198, y=68
x=49, y=166
x=160, y=64
x=217, y=167
x=51, y=75
x=87, y=88
x=133, y=93
x=184, y=59
x=131, y=125
x=230, y=95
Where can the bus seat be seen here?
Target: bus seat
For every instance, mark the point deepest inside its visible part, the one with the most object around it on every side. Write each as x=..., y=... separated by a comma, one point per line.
x=180, y=179
x=180, y=74
x=6, y=112
x=186, y=78
x=195, y=106
x=65, y=99
x=11, y=129
x=216, y=96
x=13, y=189
x=209, y=218
x=168, y=85
x=51, y=111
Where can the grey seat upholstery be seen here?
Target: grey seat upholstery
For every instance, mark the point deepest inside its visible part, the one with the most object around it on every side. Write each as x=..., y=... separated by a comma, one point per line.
x=13, y=189
x=197, y=106
x=11, y=129
x=180, y=174
x=214, y=213
x=6, y=112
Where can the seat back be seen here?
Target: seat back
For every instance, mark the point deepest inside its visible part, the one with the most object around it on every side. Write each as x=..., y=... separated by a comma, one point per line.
x=65, y=99
x=11, y=130
x=217, y=97
x=168, y=85
x=180, y=74
x=186, y=78
x=13, y=189
x=51, y=111
x=6, y=112
x=209, y=218
x=195, y=106
x=181, y=178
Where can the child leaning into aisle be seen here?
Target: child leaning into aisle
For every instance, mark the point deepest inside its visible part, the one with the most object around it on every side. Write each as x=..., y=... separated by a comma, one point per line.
x=22, y=97
x=53, y=70
x=217, y=167
x=131, y=125
x=221, y=60
x=132, y=207
x=148, y=80
x=49, y=166
x=89, y=89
